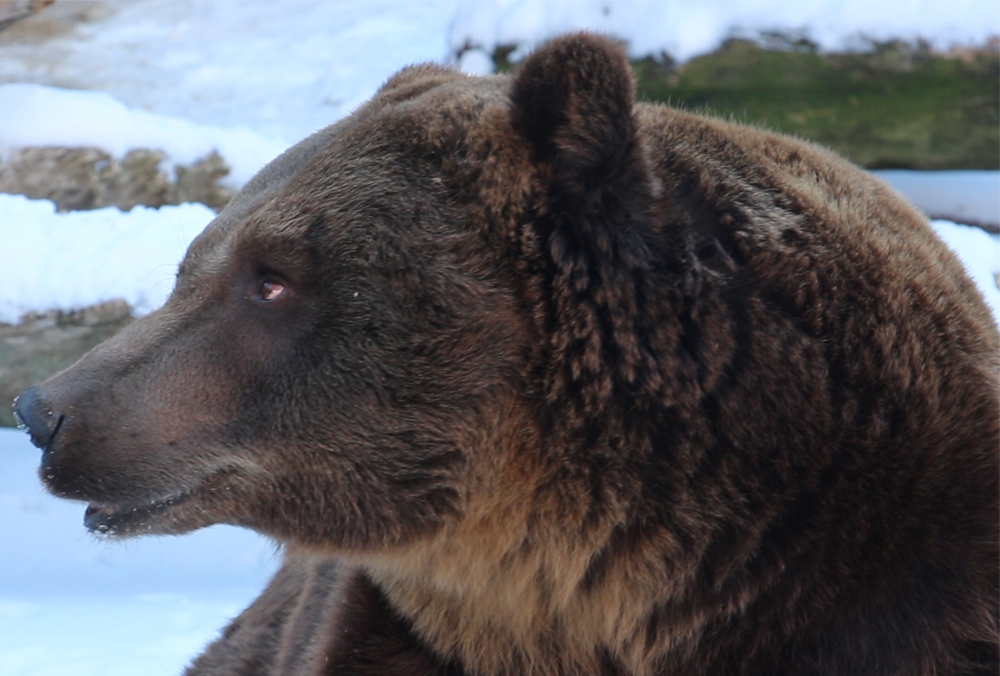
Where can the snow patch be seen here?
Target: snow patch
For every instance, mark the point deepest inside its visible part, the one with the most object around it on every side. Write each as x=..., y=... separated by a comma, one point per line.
x=979, y=251
x=80, y=258
x=34, y=115
x=475, y=62
x=966, y=196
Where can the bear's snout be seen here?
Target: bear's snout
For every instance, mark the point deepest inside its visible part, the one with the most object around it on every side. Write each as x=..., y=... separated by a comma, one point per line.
x=34, y=414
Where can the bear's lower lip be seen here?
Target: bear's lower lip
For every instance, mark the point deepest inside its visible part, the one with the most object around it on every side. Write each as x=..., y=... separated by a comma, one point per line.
x=120, y=520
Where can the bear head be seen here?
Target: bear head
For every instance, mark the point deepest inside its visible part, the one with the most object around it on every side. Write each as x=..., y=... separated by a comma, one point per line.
x=446, y=282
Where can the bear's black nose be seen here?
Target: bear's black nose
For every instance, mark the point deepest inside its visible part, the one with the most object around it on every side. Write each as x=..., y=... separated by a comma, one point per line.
x=35, y=416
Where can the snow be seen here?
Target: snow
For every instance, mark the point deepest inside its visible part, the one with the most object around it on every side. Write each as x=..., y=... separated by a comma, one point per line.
x=980, y=252
x=150, y=634
x=284, y=69
x=75, y=259
x=966, y=196
x=475, y=62
x=247, y=79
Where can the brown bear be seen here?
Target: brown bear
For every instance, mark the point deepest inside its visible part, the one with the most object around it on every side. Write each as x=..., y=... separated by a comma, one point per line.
x=533, y=379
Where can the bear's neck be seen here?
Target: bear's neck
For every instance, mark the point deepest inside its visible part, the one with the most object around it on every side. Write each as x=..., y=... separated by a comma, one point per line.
x=531, y=580
x=524, y=603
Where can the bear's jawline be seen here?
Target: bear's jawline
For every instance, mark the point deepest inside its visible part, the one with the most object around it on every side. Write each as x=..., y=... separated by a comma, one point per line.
x=116, y=520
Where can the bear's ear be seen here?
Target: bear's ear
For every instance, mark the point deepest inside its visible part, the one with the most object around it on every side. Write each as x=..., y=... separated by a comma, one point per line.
x=572, y=102
x=415, y=80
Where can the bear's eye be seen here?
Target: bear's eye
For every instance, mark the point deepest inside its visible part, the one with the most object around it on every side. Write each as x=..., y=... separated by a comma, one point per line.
x=271, y=290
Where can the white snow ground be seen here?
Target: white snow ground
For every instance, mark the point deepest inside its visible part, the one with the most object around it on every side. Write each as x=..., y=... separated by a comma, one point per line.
x=249, y=78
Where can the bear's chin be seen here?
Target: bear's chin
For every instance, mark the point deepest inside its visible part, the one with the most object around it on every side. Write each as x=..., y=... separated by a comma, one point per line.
x=180, y=511
x=120, y=521
x=125, y=520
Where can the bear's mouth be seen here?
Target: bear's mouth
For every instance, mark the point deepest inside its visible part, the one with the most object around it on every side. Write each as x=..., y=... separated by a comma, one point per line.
x=183, y=509
x=112, y=520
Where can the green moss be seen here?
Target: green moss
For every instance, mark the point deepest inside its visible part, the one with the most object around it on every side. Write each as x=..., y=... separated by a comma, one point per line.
x=895, y=106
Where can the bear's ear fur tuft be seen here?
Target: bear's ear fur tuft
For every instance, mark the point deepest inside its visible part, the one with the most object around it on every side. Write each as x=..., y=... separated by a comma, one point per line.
x=572, y=101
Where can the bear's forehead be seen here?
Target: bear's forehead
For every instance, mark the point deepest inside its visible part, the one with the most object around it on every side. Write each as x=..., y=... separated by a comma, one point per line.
x=359, y=180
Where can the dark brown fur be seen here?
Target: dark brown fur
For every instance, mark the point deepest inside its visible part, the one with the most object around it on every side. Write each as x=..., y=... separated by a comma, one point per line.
x=565, y=385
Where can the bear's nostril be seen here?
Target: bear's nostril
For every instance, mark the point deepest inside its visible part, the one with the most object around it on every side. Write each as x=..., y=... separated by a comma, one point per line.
x=34, y=415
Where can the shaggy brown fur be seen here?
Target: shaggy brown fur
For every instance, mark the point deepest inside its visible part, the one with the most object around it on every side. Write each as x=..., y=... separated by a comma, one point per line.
x=534, y=380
